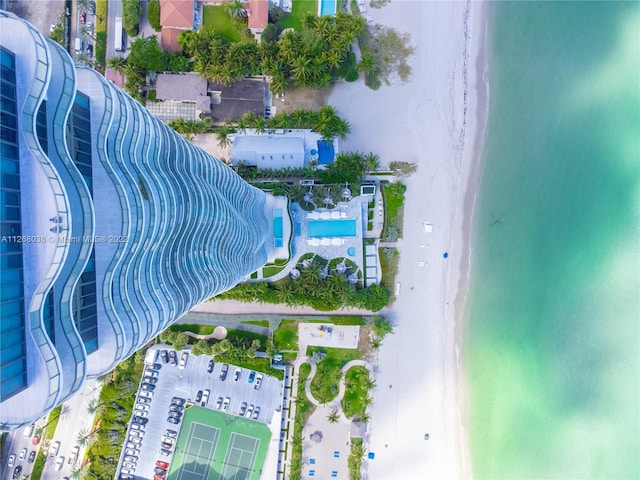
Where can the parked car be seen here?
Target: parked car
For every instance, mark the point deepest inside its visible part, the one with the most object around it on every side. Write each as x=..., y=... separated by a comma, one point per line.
x=145, y=394
x=137, y=426
x=53, y=451
x=32, y=456
x=150, y=380
x=142, y=413
x=218, y=403
x=166, y=445
x=258, y=381
x=140, y=420
x=164, y=452
x=176, y=408
x=90, y=49
x=23, y=454
x=83, y=18
x=17, y=471
x=162, y=464
x=132, y=445
x=135, y=439
x=164, y=355
x=35, y=440
x=243, y=409
x=175, y=421
x=168, y=440
x=128, y=471
x=183, y=360
x=73, y=456
x=12, y=460
x=59, y=463
x=252, y=376
x=175, y=414
x=158, y=477
x=199, y=396
x=28, y=430
x=148, y=387
x=210, y=366
x=129, y=465
x=256, y=413
x=223, y=372
x=236, y=375
x=157, y=366
x=142, y=407
x=131, y=458
x=205, y=397
x=159, y=471
x=131, y=451
x=249, y=411
x=170, y=433
x=136, y=434
x=225, y=404
x=173, y=357
x=144, y=400
x=177, y=401
x=150, y=372
x=90, y=28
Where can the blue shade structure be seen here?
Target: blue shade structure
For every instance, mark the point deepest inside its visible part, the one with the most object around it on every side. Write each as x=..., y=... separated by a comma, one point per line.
x=113, y=225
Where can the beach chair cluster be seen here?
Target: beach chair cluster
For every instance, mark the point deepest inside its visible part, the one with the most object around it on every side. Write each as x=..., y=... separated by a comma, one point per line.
x=315, y=215
x=325, y=242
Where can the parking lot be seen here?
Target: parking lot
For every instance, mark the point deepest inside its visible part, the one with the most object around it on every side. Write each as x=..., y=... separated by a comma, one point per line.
x=168, y=381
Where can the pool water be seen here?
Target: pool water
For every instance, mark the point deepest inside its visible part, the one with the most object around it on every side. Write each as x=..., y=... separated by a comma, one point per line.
x=325, y=152
x=328, y=7
x=331, y=228
x=351, y=251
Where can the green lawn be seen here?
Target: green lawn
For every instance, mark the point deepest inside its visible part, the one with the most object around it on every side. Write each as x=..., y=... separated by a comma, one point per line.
x=389, y=268
x=260, y=323
x=191, y=327
x=286, y=336
x=215, y=18
x=324, y=386
x=355, y=392
x=304, y=409
x=261, y=364
x=393, y=205
x=299, y=10
x=242, y=337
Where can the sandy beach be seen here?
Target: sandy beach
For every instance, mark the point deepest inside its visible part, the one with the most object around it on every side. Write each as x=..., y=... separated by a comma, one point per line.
x=435, y=120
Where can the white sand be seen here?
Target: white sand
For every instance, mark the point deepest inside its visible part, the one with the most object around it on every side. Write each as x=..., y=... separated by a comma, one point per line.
x=427, y=122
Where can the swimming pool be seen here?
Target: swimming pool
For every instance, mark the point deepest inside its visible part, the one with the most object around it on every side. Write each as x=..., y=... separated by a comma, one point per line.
x=327, y=7
x=331, y=228
x=325, y=152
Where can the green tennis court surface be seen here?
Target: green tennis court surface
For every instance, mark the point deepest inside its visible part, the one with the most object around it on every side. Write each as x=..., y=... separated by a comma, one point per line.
x=216, y=446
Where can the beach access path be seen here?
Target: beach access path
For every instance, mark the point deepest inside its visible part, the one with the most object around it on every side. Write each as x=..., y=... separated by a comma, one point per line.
x=435, y=120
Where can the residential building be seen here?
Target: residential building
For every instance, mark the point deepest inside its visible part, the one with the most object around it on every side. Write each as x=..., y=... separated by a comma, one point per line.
x=112, y=225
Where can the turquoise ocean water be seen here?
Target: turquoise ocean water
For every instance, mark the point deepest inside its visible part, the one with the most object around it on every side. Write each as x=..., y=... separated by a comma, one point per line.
x=553, y=336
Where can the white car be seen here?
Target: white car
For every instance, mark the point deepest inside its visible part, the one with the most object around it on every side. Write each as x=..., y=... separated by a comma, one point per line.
x=145, y=394
x=249, y=411
x=183, y=360
x=59, y=463
x=237, y=374
x=131, y=451
x=205, y=397
x=23, y=454
x=150, y=372
x=218, y=403
x=225, y=404
x=135, y=439
x=142, y=406
x=137, y=426
x=54, y=449
x=12, y=460
x=136, y=434
x=258, y=381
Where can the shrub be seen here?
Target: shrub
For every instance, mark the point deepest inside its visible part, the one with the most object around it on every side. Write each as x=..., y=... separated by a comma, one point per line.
x=101, y=48
x=153, y=14
x=131, y=10
x=351, y=75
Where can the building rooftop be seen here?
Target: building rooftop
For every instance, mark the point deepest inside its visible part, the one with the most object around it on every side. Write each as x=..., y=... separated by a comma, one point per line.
x=266, y=151
x=232, y=101
x=181, y=87
x=176, y=13
x=257, y=14
x=169, y=39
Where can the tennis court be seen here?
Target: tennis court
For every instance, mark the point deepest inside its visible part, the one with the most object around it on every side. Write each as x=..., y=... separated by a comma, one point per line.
x=217, y=446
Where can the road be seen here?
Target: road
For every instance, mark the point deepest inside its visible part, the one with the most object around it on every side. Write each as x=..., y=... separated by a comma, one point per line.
x=73, y=418
x=115, y=10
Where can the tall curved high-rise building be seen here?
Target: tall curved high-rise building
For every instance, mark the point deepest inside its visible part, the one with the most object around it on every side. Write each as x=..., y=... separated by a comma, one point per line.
x=113, y=226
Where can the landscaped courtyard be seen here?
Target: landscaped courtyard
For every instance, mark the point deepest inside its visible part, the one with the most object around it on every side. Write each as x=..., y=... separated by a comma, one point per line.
x=216, y=18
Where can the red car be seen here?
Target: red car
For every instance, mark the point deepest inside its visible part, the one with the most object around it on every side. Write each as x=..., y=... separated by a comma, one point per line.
x=83, y=18
x=35, y=440
x=162, y=464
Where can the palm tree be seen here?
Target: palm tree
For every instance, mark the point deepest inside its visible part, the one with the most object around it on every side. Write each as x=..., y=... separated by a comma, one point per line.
x=119, y=64
x=334, y=416
x=279, y=82
x=80, y=472
x=84, y=58
x=235, y=8
x=301, y=70
x=84, y=31
x=371, y=162
x=84, y=5
x=223, y=135
x=95, y=407
x=368, y=64
x=84, y=437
